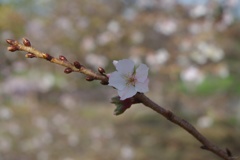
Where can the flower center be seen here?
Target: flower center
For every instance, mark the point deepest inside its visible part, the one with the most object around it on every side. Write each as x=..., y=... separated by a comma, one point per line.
x=131, y=80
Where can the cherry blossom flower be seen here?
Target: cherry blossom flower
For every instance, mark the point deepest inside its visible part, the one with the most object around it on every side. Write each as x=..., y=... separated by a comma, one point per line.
x=129, y=80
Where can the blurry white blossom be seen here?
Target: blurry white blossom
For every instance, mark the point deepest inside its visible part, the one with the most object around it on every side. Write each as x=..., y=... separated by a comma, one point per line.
x=205, y=122
x=47, y=82
x=166, y=27
x=146, y=3
x=68, y=101
x=113, y=26
x=185, y=45
x=205, y=51
x=167, y=4
x=198, y=57
x=83, y=22
x=35, y=28
x=5, y=113
x=104, y=38
x=155, y=60
x=73, y=139
x=228, y=19
x=88, y=44
x=195, y=28
x=5, y=144
x=137, y=37
x=42, y=155
x=127, y=153
x=129, y=14
x=96, y=60
x=183, y=60
x=211, y=51
x=222, y=71
x=6, y=34
x=192, y=75
x=41, y=122
x=14, y=129
x=64, y=23
x=198, y=11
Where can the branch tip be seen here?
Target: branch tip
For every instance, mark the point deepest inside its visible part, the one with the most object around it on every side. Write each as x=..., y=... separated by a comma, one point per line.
x=12, y=48
x=11, y=41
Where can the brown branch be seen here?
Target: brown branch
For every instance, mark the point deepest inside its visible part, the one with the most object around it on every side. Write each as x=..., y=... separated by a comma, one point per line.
x=138, y=98
x=207, y=145
x=75, y=67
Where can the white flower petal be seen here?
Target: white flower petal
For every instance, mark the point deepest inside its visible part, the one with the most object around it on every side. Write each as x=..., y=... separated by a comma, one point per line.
x=127, y=92
x=142, y=73
x=115, y=63
x=117, y=81
x=125, y=66
x=142, y=87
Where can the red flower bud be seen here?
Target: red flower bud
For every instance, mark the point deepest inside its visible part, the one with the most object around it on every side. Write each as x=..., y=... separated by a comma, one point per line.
x=89, y=78
x=47, y=56
x=104, y=83
x=26, y=42
x=12, y=48
x=68, y=70
x=62, y=58
x=77, y=64
x=101, y=70
x=11, y=41
x=30, y=55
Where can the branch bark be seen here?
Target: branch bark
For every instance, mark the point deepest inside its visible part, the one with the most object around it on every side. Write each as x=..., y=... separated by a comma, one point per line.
x=207, y=145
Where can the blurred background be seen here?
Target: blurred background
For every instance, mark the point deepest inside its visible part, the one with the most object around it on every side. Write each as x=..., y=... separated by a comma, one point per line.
x=191, y=47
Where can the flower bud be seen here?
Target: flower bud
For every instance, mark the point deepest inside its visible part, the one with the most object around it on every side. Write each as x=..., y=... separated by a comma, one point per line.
x=68, y=70
x=89, y=78
x=62, y=58
x=12, y=48
x=121, y=106
x=26, y=42
x=77, y=64
x=101, y=70
x=30, y=55
x=47, y=56
x=104, y=83
x=11, y=41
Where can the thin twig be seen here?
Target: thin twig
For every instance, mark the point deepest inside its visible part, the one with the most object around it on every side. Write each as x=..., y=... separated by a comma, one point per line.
x=138, y=98
x=75, y=67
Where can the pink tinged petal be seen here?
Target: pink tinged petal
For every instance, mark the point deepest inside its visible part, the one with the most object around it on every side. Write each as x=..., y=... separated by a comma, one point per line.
x=115, y=63
x=142, y=87
x=125, y=66
x=127, y=92
x=142, y=73
x=117, y=81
